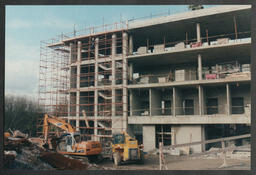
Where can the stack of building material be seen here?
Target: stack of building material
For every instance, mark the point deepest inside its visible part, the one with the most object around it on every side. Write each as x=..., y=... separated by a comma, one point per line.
x=159, y=48
x=197, y=44
x=180, y=75
x=144, y=80
x=222, y=40
x=185, y=74
x=246, y=68
x=142, y=50
x=162, y=79
x=180, y=45
x=210, y=76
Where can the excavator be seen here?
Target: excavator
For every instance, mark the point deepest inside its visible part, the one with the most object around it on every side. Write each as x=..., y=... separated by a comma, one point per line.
x=70, y=142
x=126, y=149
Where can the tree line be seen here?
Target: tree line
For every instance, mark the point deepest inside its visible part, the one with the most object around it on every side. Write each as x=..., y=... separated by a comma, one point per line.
x=21, y=113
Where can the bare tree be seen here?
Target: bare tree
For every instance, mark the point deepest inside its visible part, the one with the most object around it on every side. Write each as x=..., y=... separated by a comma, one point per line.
x=21, y=114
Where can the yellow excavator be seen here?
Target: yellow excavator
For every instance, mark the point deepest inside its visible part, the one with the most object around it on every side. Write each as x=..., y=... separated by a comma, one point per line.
x=70, y=142
x=126, y=149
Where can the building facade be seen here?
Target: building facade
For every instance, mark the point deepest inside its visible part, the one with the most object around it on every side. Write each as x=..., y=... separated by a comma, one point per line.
x=174, y=79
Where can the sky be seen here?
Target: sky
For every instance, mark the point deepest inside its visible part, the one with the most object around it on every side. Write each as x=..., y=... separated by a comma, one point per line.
x=26, y=26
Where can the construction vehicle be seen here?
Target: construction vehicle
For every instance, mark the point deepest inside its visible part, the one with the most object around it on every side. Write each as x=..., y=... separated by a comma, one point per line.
x=126, y=149
x=70, y=142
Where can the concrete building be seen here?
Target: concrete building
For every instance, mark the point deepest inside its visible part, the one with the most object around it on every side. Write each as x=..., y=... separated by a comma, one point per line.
x=174, y=79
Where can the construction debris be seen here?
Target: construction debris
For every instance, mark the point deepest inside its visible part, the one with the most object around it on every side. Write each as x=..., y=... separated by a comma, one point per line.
x=59, y=161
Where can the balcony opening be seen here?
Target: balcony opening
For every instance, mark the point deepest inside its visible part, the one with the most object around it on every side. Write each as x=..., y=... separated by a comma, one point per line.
x=212, y=106
x=237, y=105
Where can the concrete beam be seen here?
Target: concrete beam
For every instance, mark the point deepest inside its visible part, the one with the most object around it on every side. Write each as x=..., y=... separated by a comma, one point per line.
x=192, y=119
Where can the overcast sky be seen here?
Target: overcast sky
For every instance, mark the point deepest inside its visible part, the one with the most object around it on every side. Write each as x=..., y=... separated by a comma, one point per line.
x=26, y=26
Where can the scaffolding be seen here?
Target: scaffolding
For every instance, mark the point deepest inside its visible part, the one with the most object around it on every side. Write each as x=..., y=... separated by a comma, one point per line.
x=88, y=75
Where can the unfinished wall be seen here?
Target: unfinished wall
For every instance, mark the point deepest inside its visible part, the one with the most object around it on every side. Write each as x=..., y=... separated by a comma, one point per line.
x=149, y=140
x=187, y=134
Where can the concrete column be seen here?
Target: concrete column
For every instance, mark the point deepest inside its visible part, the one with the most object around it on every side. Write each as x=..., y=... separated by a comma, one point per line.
x=125, y=104
x=70, y=77
x=200, y=67
x=130, y=45
x=130, y=71
x=113, y=104
x=78, y=85
x=203, y=136
x=198, y=32
x=79, y=51
x=201, y=100
x=77, y=109
x=96, y=114
x=96, y=90
x=228, y=109
x=113, y=50
x=149, y=137
x=173, y=101
x=125, y=44
x=96, y=48
x=96, y=66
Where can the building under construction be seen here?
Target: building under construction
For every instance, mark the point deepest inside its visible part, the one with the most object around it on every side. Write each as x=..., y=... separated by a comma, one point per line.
x=174, y=79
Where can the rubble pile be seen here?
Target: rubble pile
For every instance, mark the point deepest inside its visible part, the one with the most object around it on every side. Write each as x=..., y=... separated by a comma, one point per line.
x=59, y=161
x=22, y=152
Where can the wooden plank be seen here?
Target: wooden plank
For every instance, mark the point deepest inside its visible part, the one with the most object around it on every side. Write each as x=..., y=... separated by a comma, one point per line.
x=209, y=141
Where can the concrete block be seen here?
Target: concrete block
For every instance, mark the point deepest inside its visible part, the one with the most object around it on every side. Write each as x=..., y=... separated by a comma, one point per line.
x=144, y=80
x=145, y=113
x=162, y=79
x=159, y=48
x=180, y=45
x=180, y=75
x=185, y=150
x=142, y=50
x=222, y=40
x=175, y=152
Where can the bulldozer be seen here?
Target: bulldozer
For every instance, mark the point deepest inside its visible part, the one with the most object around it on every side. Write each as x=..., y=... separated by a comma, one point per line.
x=126, y=149
x=70, y=142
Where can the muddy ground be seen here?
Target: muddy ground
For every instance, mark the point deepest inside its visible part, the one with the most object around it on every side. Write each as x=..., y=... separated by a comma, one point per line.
x=181, y=163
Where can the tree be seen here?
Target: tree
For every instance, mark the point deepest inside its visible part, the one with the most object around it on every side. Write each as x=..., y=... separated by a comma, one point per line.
x=21, y=114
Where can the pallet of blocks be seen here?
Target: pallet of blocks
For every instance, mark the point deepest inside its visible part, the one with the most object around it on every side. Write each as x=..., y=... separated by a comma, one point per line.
x=239, y=75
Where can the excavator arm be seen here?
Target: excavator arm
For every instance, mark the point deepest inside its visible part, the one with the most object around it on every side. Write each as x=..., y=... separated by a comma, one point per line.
x=59, y=123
